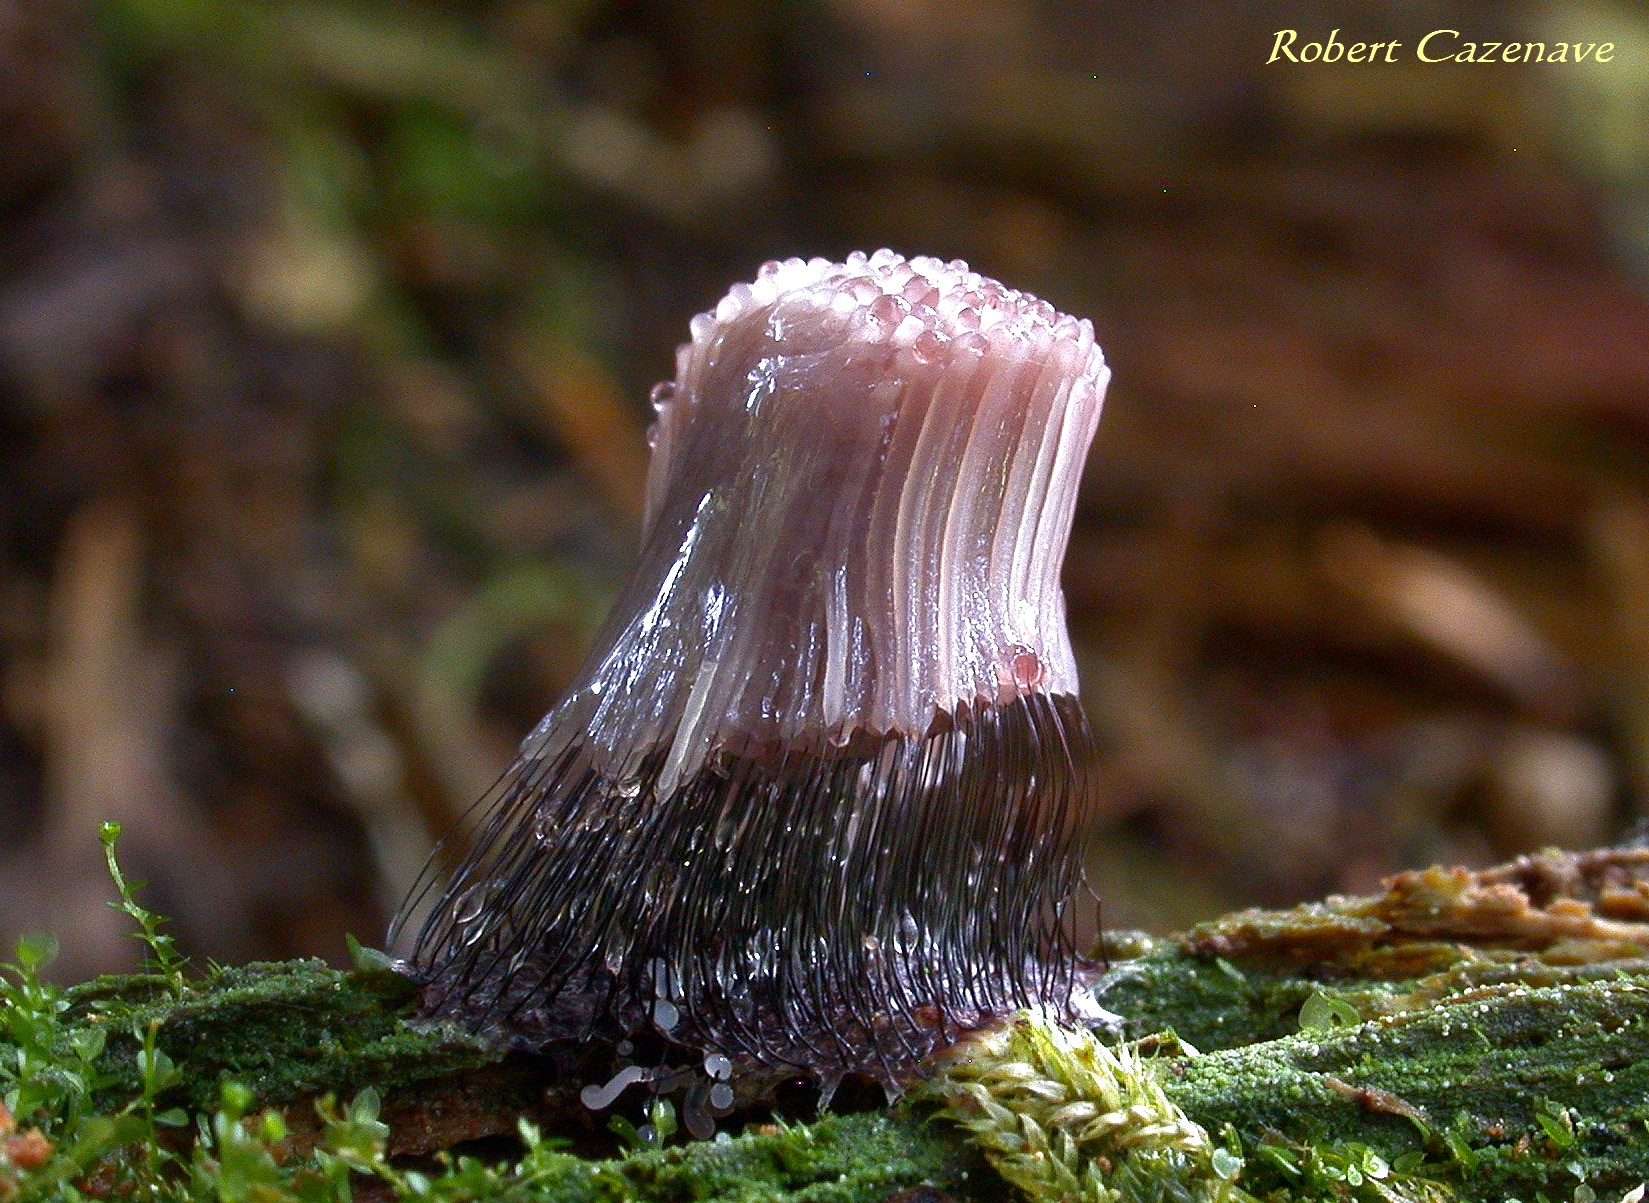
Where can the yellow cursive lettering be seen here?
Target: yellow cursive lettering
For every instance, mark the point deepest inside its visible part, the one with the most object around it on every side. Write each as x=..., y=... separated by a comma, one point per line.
x=1420, y=50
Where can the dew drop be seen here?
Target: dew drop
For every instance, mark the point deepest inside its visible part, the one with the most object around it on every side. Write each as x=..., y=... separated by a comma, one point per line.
x=908, y=929
x=721, y=1096
x=468, y=906
x=664, y=977
x=718, y=1066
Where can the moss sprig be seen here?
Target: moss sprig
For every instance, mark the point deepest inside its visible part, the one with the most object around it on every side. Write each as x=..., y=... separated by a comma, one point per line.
x=1063, y=1116
x=1068, y=1118
x=164, y=960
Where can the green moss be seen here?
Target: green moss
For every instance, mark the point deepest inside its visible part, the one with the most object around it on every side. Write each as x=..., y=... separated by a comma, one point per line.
x=117, y=1071
x=1065, y=1117
x=1208, y=1002
x=1481, y=1078
x=1404, y=1071
x=836, y=1159
x=1506, y=1091
x=1519, y=1093
x=287, y=1030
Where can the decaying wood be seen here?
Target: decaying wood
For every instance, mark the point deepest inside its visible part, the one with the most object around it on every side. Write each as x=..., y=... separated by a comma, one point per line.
x=1486, y=1003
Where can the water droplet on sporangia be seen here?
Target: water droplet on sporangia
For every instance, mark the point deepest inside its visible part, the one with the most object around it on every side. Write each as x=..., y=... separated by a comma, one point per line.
x=469, y=905
x=718, y=1066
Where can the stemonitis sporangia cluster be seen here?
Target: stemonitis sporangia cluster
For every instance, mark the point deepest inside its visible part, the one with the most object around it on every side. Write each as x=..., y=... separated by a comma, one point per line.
x=811, y=806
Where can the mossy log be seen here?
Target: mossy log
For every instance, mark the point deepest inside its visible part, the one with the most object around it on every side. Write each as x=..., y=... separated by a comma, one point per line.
x=1485, y=1032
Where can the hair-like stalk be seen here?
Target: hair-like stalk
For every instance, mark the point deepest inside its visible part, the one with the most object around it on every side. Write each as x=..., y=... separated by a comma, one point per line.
x=813, y=801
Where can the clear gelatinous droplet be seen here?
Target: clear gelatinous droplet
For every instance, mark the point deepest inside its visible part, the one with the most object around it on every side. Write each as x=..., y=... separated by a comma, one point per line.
x=469, y=905
x=718, y=1066
x=599, y=1098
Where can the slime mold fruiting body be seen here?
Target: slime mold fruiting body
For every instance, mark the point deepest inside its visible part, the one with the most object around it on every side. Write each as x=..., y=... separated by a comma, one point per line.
x=812, y=803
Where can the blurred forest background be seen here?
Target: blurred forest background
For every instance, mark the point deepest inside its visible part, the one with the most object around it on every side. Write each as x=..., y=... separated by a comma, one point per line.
x=327, y=329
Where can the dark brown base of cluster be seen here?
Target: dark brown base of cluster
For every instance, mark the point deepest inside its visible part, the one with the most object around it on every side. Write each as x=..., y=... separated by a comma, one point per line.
x=845, y=911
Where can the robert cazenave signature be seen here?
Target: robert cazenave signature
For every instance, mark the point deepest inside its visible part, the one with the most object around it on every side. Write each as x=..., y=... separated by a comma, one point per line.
x=1437, y=46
